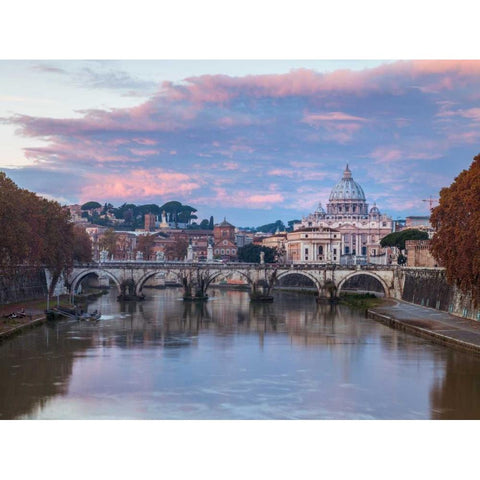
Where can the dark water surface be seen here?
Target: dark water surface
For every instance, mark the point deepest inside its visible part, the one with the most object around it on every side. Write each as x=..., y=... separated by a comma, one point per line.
x=229, y=359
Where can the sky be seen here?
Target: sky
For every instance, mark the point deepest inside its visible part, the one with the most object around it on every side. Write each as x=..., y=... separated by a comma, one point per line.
x=253, y=141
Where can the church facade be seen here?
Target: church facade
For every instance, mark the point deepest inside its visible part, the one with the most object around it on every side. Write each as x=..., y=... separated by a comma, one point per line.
x=348, y=232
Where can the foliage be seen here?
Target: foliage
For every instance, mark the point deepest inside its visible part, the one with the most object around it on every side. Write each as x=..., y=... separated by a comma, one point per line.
x=108, y=241
x=456, y=243
x=398, y=239
x=145, y=245
x=177, y=250
x=290, y=224
x=272, y=227
x=82, y=245
x=34, y=231
x=90, y=205
x=402, y=259
x=251, y=253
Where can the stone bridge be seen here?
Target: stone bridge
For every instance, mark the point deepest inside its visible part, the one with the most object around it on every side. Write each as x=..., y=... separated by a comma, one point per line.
x=131, y=276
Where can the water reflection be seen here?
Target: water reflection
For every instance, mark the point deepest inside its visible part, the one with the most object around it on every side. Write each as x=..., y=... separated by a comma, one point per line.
x=229, y=358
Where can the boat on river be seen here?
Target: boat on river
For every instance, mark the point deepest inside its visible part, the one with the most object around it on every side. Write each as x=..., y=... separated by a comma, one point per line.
x=74, y=313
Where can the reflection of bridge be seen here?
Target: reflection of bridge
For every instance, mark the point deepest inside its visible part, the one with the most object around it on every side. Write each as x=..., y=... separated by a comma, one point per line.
x=130, y=277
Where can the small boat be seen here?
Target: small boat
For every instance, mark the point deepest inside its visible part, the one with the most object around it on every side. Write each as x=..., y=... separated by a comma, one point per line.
x=89, y=317
x=74, y=313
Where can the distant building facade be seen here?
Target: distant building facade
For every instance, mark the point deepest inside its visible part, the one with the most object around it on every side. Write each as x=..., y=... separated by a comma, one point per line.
x=224, y=241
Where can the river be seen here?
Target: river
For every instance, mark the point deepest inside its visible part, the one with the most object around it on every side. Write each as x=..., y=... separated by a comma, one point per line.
x=230, y=359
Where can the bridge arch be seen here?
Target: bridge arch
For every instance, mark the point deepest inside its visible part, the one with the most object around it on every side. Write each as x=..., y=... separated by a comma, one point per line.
x=303, y=273
x=142, y=280
x=380, y=280
x=99, y=272
x=218, y=273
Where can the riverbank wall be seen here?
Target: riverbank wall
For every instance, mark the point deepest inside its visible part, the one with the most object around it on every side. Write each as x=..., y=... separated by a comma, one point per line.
x=428, y=287
x=21, y=284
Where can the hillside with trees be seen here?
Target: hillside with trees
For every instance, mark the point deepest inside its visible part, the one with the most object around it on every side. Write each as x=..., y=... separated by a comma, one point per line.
x=132, y=216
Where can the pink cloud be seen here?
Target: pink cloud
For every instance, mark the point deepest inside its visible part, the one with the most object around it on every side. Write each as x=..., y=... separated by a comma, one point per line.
x=139, y=184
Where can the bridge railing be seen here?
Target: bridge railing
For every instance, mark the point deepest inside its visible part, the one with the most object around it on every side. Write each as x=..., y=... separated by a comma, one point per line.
x=230, y=265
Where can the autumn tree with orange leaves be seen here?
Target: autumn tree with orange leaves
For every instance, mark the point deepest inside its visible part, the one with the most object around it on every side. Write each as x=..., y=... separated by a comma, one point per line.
x=36, y=232
x=456, y=243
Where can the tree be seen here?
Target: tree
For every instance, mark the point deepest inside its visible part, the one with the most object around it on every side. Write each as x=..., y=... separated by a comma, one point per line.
x=456, y=219
x=90, y=205
x=82, y=245
x=204, y=224
x=398, y=239
x=176, y=250
x=290, y=225
x=108, y=241
x=251, y=253
x=145, y=245
x=272, y=227
x=211, y=223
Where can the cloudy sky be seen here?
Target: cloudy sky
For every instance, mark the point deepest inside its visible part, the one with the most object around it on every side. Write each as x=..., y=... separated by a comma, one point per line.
x=254, y=141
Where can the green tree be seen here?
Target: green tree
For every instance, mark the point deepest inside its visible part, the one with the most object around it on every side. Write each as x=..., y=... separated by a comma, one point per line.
x=398, y=239
x=456, y=219
x=251, y=253
x=211, y=224
x=272, y=227
x=90, y=205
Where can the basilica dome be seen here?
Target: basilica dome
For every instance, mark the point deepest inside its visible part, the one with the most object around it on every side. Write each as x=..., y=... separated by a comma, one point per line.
x=347, y=189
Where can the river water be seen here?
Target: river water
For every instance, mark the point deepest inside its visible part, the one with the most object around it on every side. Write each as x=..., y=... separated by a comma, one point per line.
x=230, y=359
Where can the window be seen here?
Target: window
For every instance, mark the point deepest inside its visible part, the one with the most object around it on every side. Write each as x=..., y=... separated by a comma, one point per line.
x=347, y=250
x=228, y=251
x=225, y=242
x=364, y=250
x=223, y=251
x=320, y=250
x=306, y=251
x=334, y=251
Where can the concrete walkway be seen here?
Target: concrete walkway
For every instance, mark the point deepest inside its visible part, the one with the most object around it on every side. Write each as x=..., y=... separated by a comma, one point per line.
x=438, y=326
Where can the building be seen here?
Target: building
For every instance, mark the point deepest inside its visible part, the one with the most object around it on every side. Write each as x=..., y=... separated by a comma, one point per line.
x=224, y=246
x=360, y=229
x=419, y=255
x=314, y=244
x=150, y=222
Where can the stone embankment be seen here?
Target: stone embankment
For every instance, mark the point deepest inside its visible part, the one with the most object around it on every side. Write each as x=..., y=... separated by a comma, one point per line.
x=434, y=325
x=12, y=326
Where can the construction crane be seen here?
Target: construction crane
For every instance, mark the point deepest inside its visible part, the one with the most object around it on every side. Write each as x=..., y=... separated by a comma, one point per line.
x=430, y=201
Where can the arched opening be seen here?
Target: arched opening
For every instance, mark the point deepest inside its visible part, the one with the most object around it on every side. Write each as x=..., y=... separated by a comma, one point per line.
x=158, y=280
x=232, y=279
x=296, y=281
x=93, y=280
x=363, y=283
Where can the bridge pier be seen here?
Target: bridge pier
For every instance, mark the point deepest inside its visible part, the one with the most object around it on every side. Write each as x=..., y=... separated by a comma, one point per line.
x=195, y=284
x=262, y=283
x=128, y=291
